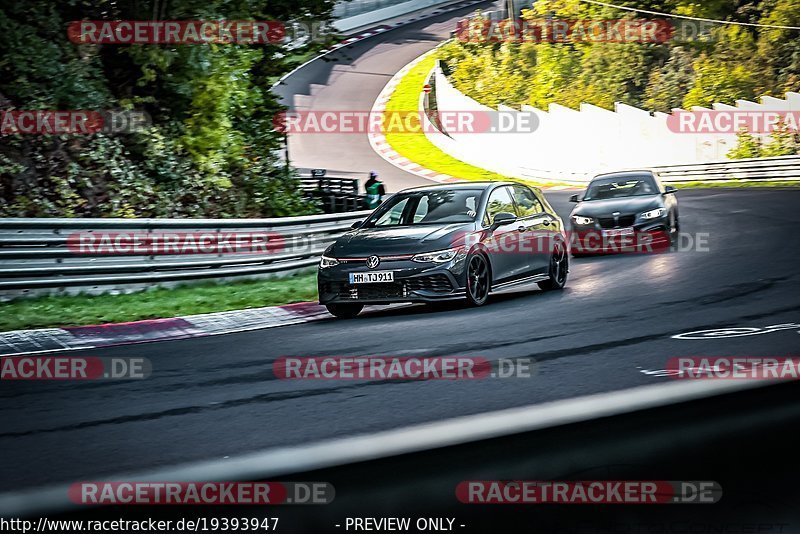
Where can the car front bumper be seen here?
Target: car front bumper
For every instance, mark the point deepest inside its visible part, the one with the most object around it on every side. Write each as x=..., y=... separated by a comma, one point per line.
x=413, y=282
x=647, y=236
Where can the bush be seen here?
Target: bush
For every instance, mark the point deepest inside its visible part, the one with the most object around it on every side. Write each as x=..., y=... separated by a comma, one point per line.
x=211, y=150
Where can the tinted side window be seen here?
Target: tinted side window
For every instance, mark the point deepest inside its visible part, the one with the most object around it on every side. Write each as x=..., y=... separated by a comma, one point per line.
x=499, y=200
x=527, y=203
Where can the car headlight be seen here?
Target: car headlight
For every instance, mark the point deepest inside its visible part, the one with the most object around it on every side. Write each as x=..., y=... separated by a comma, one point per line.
x=325, y=262
x=653, y=214
x=440, y=256
x=582, y=220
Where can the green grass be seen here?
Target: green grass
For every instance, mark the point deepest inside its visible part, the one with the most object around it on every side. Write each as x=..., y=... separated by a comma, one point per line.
x=68, y=310
x=417, y=148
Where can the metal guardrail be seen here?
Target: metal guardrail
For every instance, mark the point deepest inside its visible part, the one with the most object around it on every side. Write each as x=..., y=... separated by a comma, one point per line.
x=765, y=169
x=779, y=168
x=36, y=256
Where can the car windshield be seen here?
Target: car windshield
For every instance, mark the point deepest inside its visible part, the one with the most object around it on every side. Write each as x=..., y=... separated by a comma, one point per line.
x=427, y=207
x=617, y=187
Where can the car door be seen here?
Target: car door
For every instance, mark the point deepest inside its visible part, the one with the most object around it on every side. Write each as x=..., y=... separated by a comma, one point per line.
x=503, y=242
x=536, y=228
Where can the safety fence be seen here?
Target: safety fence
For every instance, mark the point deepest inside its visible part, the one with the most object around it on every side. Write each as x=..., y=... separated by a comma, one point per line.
x=100, y=255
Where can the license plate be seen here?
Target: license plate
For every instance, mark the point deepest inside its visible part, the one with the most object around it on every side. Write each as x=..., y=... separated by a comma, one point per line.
x=618, y=231
x=373, y=277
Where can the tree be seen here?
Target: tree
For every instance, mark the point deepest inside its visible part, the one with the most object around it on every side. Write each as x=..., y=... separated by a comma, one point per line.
x=747, y=146
x=783, y=142
x=667, y=86
x=211, y=148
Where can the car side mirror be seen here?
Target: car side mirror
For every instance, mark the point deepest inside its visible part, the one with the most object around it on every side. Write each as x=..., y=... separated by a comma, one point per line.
x=503, y=218
x=356, y=224
x=574, y=198
x=669, y=190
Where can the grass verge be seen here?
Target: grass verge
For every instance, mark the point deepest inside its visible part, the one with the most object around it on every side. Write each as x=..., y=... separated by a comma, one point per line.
x=417, y=148
x=76, y=310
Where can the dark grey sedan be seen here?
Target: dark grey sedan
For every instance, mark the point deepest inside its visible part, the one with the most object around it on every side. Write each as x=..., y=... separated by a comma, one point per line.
x=624, y=211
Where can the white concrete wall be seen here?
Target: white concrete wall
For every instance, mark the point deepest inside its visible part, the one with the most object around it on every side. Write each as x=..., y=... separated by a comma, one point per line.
x=573, y=145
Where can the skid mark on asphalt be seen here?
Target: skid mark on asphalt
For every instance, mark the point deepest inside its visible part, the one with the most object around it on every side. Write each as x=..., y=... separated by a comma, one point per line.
x=733, y=292
x=193, y=410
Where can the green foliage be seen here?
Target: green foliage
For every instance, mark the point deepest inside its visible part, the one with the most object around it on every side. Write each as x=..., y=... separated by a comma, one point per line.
x=728, y=72
x=668, y=85
x=210, y=151
x=782, y=141
x=747, y=146
x=780, y=49
x=730, y=63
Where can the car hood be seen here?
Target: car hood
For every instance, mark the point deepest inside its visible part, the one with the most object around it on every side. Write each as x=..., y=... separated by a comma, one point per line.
x=399, y=240
x=626, y=205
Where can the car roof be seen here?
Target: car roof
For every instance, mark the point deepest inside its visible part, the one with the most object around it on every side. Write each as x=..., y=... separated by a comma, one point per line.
x=457, y=185
x=622, y=174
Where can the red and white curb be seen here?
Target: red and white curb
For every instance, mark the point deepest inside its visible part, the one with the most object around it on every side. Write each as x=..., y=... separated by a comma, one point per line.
x=377, y=140
x=48, y=340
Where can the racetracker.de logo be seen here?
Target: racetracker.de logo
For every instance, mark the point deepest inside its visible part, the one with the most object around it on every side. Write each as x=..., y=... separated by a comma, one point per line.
x=734, y=368
x=73, y=368
x=404, y=122
x=401, y=368
x=732, y=121
x=201, y=493
x=79, y=122
x=164, y=243
x=479, y=30
x=129, y=32
x=588, y=492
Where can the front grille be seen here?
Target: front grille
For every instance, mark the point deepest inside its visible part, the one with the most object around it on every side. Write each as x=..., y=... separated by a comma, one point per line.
x=366, y=291
x=434, y=282
x=622, y=221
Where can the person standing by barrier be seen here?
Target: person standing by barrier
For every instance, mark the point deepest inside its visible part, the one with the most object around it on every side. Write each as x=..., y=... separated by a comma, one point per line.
x=375, y=191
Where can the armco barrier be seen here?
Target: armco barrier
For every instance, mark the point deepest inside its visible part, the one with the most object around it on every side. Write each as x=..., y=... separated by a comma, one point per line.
x=767, y=169
x=777, y=169
x=35, y=257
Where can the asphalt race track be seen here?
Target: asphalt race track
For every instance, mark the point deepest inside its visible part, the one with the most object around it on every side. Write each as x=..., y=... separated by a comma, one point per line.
x=351, y=79
x=610, y=329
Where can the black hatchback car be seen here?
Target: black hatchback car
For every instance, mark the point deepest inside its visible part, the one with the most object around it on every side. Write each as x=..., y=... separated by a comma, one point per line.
x=460, y=241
